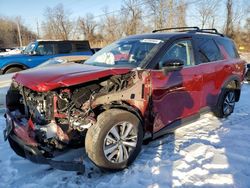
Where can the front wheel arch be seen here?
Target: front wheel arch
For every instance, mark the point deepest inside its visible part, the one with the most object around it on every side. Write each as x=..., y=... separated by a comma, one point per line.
x=122, y=106
x=96, y=136
x=18, y=65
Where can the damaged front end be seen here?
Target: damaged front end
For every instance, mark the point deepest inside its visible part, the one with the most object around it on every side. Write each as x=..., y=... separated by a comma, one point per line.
x=43, y=125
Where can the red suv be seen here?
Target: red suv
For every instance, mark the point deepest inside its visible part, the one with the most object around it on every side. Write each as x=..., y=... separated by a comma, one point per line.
x=139, y=87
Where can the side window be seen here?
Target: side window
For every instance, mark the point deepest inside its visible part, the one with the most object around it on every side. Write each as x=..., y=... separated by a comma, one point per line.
x=181, y=50
x=208, y=50
x=64, y=48
x=80, y=47
x=45, y=49
x=230, y=48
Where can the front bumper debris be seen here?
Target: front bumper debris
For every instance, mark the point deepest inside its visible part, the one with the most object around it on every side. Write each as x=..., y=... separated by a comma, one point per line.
x=31, y=151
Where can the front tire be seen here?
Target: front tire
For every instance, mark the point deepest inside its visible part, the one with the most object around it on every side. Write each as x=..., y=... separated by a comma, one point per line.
x=115, y=140
x=12, y=70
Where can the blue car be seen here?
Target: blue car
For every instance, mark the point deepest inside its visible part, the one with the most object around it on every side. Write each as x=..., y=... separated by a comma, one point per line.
x=39, y=51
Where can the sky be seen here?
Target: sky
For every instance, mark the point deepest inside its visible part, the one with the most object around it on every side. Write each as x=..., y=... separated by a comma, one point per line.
x=32, y=11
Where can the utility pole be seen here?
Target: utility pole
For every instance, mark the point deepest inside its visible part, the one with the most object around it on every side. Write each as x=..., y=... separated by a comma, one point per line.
x=37, y=29
x=19, y=33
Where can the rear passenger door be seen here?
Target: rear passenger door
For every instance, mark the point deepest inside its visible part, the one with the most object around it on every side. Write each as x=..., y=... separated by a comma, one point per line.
x=211, y=63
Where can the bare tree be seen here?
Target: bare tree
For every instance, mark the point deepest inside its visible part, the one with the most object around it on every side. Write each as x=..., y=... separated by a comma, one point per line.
x=57, y=24
x=207, y=11
x=247, y=27
x=158, y=8
x=9, y=32
x=88, y=26
x=171, y=13
x=242, y=38
x=110, y=27
x=180, y=17
x=247, y=33
x=235, y=14
x=132, y=16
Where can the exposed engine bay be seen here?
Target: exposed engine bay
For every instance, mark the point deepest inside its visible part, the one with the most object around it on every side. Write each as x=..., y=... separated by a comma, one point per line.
x=60, y=118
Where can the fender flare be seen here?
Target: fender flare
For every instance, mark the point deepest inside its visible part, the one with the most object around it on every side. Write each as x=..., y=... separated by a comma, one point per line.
x=237, y=81
x=14, y=64
x=124, y=106
x=129, y=108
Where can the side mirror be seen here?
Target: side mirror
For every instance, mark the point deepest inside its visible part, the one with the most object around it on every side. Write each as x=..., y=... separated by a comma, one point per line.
x=172, y=65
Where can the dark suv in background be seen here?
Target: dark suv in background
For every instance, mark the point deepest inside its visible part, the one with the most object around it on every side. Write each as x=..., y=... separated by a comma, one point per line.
x=41, y=50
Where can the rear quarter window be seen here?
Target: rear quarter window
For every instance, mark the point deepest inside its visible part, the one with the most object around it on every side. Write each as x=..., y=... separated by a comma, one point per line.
x=208, y=51
x=80, y=47
x=64, y=47
x=230, y=48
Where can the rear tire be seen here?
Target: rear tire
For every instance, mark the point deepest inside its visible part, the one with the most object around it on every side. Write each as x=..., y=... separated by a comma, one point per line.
x=12, y=70
x=226, y=103
x=115, y=140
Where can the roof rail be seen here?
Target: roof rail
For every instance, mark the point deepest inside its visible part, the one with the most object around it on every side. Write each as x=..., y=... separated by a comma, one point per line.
x=211, y=31
x=191, y=29
x=177, y=28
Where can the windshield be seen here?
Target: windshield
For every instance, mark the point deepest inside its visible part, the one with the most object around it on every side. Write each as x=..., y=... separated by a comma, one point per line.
x=29, y=48
x=129, y=53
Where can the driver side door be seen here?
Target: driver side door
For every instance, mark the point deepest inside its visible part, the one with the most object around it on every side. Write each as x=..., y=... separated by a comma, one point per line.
x=44, y=51
x=177, y=94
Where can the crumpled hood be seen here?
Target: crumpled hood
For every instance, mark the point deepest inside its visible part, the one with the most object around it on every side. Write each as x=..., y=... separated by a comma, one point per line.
x=52, y=77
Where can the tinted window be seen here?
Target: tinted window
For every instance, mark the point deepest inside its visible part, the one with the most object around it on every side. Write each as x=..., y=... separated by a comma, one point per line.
x=80, y=47
x=64, y=47
x=45, y=49
x=229, y=47
x=208, y=50
x=181, y=50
